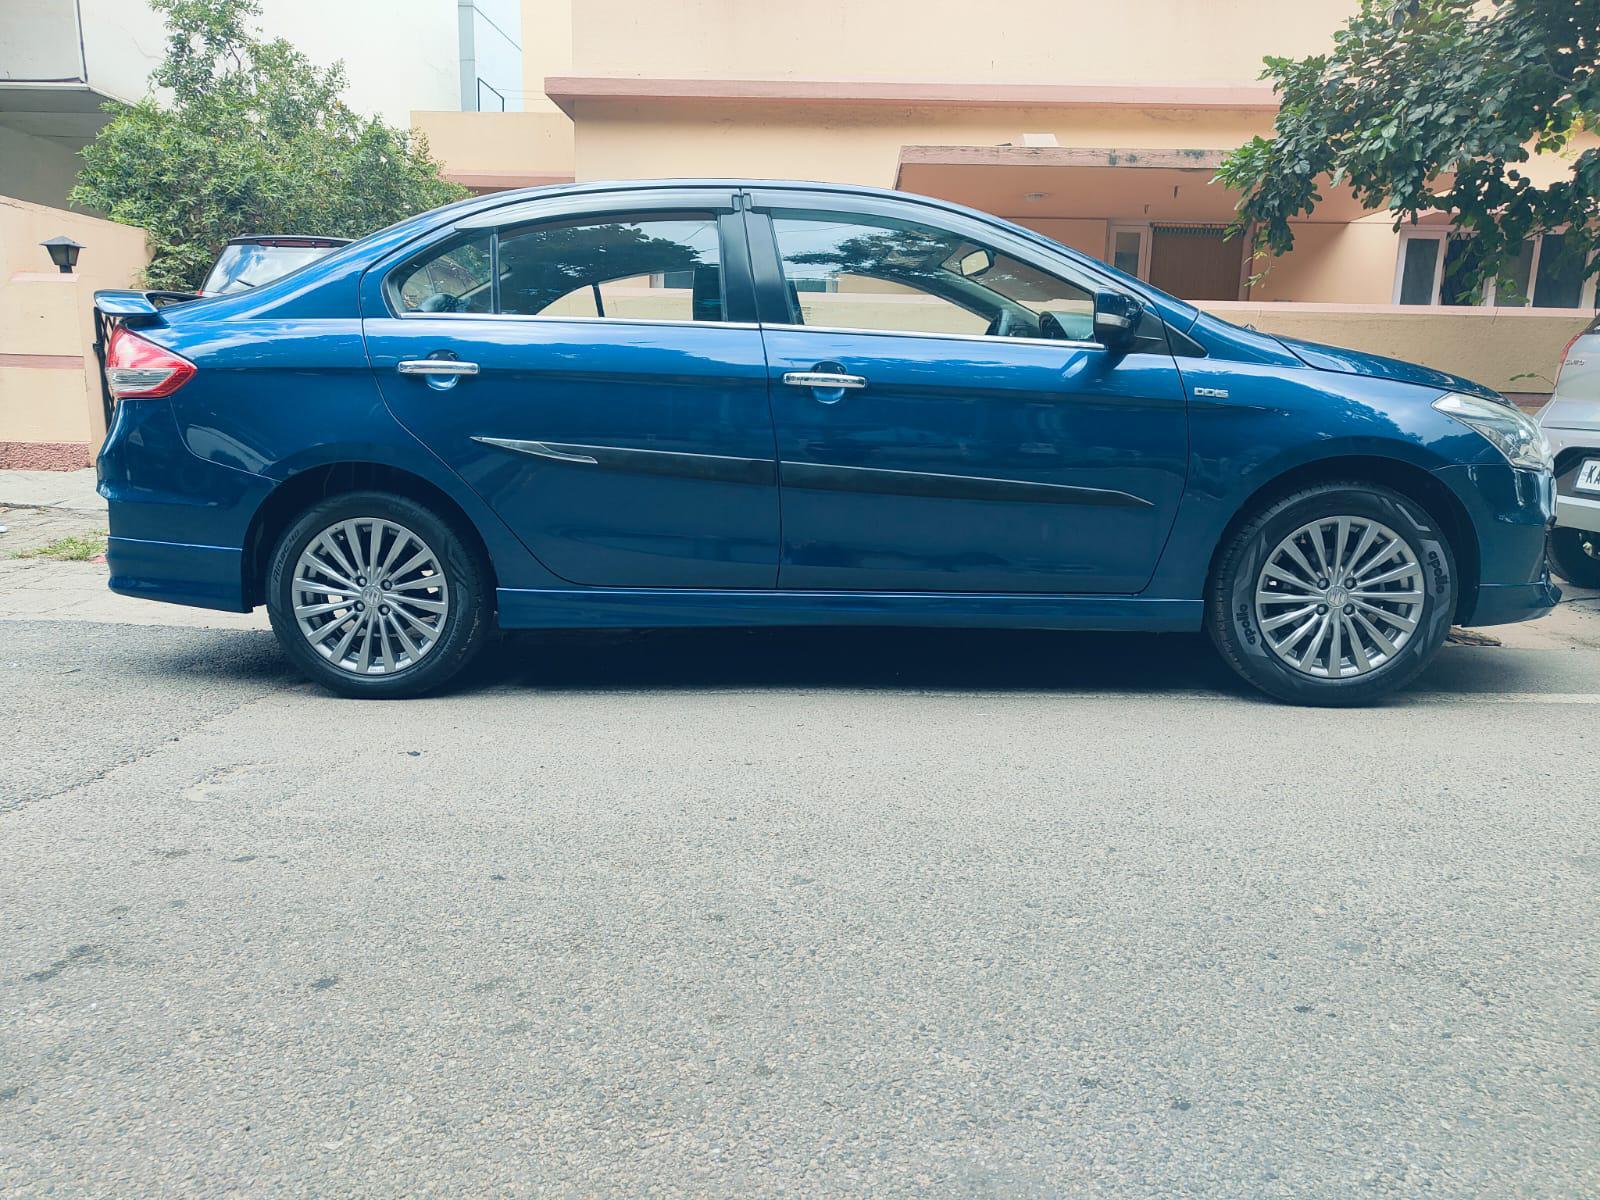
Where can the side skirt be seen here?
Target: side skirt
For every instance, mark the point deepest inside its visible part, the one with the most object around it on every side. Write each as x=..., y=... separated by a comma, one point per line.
x=599, y=608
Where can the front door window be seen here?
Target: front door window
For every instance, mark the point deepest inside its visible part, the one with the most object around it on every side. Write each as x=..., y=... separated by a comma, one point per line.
x=886, y=274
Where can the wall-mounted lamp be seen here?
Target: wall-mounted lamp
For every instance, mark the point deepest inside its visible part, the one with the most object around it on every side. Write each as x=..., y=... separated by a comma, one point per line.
x=63, y=252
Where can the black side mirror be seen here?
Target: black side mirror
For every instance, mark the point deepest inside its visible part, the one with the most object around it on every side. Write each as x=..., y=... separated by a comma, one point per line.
x=1116, y=318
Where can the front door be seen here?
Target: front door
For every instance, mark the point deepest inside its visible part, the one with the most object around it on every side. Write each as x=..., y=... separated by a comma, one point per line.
x=583, y=375
x=944, y=422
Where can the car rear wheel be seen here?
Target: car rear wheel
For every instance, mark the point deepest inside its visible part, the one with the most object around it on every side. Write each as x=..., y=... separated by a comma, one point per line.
x=373, y=595
x=1335, y=595
x=1575, y=555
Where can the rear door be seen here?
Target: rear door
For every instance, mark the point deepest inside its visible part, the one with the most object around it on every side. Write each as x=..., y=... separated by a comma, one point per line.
x=591, y=367
x=944, y=423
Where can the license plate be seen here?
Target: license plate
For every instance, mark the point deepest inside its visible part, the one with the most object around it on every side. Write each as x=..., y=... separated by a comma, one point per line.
x=1588, y=476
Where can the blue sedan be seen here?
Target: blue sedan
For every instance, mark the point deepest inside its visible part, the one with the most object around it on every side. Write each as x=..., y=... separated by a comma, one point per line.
x=755, y=403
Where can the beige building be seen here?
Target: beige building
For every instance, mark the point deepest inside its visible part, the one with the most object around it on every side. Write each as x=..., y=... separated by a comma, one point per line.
x=1099, y=125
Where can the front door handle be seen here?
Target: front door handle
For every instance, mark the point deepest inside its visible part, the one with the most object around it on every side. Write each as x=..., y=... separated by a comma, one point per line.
x=437, y=366
x=825, y=380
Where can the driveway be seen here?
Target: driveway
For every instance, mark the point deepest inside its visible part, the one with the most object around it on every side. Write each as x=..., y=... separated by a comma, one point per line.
x=774, y=913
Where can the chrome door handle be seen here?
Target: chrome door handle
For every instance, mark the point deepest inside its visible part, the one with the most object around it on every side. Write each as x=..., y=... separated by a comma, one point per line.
x=823, y=379
x=436, y=366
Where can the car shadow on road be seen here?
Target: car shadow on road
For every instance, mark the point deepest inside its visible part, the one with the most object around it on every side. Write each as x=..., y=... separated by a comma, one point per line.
x=910, y=659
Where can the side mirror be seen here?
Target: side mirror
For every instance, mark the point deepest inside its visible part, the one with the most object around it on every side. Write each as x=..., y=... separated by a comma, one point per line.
x=975, y=262
x=1116, y=318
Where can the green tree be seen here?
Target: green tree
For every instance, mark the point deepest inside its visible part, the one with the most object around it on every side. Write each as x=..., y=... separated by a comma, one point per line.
x=1431, y=106
x=254, y=139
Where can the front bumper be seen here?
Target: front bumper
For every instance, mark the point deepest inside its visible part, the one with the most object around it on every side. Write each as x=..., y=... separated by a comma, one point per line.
x=1511, y=511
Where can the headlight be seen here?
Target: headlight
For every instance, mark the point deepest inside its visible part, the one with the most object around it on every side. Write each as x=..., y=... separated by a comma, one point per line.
x=1513, y=433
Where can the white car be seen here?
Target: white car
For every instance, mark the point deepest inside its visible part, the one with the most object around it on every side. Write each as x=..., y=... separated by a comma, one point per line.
x=1571, y=423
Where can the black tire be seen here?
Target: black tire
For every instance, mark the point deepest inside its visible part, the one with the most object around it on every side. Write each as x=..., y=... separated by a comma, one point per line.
x=1575, y=555
x=1231, y=609
x=461, y=634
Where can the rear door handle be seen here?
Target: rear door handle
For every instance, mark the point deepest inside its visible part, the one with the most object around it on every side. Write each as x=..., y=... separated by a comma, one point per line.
x=823, y=379
x=437, y=366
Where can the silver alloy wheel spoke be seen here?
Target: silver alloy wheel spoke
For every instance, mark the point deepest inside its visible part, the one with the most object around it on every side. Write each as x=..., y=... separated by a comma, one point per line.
x=1339, y=597
x=358, y=609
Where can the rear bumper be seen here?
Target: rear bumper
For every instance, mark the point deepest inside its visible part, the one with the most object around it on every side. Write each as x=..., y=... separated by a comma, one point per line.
x=177, y=522
x=1571, y=447
x=1575, y=512
x=177, y=573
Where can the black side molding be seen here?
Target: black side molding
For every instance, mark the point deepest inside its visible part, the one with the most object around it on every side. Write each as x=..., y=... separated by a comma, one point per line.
x=819, y=477
x=716, y=468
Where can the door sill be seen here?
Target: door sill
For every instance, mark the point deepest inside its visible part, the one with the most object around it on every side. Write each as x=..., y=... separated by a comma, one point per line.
x=626, y=608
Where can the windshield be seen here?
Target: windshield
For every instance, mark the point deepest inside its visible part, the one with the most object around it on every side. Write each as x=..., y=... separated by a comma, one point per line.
x=249, y=265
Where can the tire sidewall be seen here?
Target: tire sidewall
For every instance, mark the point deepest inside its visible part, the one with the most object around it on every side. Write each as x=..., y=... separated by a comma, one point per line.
x=1569, y=560
x=1246, y=644
x=464, y=625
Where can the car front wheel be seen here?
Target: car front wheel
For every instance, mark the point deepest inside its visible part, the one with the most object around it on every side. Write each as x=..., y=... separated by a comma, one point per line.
x=1335, y=595
x=373, y=595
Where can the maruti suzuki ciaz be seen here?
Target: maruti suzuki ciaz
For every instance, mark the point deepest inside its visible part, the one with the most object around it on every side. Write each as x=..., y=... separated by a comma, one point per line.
x=717, y=403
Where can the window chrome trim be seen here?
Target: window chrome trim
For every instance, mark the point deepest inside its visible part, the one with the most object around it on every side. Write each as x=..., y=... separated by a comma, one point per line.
x=410, y=316
x=952, y=337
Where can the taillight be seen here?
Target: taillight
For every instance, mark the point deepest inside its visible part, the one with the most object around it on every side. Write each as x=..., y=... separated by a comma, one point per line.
x=139, y=369
x=1566, y=350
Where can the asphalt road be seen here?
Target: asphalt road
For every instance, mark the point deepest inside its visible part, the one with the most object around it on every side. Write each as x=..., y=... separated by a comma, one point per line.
x=807, y=914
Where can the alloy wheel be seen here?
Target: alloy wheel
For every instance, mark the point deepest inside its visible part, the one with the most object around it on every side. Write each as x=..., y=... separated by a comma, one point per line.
x=1339, y=597
x=370, y=596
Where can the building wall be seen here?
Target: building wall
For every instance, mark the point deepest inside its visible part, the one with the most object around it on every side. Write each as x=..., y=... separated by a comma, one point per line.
x=50, y=407
x=1350, y=263
x=1510, y=349
x=36, y=169
x=398, y=54
x=494, y=150
x=40, y=40
x=546, y=49
x=490, y=64
x=841, y=143
x=1027, y=41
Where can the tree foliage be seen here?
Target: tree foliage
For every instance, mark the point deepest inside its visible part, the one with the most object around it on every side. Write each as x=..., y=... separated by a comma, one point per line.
x=1433, y=106
x=255, y=139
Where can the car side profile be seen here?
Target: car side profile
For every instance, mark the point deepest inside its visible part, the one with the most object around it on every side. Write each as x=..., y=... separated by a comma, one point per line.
x=715, y=403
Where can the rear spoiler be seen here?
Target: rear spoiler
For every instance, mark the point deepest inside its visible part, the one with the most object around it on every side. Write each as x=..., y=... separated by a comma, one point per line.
x=138, y=308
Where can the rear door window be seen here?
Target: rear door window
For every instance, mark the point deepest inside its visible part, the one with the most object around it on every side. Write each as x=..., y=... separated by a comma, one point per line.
x=644, y=267
x=661, y=268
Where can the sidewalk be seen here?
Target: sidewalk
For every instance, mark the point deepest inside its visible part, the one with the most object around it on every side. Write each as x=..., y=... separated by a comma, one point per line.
x=66, y=491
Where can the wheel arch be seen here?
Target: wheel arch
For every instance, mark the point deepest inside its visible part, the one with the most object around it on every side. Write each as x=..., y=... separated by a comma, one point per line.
x=1414, y=482
x=305, y=488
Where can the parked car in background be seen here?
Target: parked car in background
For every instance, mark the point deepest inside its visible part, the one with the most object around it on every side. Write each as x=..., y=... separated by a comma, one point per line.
x=1571, y=423
x=248, y=262
x=720, y=403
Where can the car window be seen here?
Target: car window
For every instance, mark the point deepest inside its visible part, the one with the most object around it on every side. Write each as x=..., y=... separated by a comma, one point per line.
x=651, y=267
x=452, y=280
x=882, y=273
x=242, y=266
